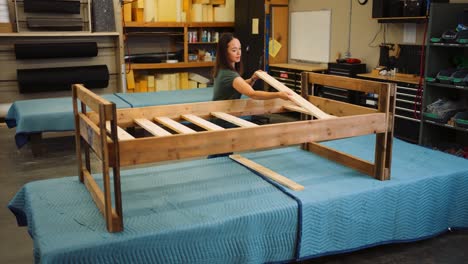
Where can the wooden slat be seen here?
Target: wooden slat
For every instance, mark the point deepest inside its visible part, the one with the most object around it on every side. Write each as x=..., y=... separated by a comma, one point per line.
x=92, y=100
x=296, y=108
x=174, y=125
x=90, y=133
x=346, y=83
x=98, y=198
x=202, y=122
x=141, y=150
x=233, y=119
x=338, y=108
x=267, y=172
x=152, y=127
x=299, y=100
x=342, y=158
x=94, y=190
x=122, y=134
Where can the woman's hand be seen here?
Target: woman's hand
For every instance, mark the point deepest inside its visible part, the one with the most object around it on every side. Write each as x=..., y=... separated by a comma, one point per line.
x=254, y=77
x=285, y=95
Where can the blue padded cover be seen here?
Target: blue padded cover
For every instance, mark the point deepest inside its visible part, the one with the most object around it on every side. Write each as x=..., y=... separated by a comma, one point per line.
x=168, y=97
x=216, y=211
x=344, y=210
x=44, y=115
x=204, y=211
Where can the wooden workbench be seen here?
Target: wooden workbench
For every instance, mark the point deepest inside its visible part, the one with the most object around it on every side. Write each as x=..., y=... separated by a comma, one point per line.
x=399, y=77
x=301, y=67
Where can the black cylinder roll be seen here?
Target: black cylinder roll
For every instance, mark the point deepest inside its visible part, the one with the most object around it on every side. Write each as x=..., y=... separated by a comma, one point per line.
x=52, y=6
x=55, y=50
x=58, y=79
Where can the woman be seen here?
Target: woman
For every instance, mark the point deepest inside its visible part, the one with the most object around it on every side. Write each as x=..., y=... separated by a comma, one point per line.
x=228, y=83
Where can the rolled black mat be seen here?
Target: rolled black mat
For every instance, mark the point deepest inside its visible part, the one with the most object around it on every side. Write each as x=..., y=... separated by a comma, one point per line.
x=55, y=23
x=61, y=79
x=52, y=6
x=56, y=50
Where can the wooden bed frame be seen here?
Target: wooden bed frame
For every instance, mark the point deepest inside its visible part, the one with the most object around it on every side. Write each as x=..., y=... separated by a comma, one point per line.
x=103, y=131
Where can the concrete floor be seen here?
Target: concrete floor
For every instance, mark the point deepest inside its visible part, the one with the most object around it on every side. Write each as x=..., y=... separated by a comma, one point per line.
x=18, y=166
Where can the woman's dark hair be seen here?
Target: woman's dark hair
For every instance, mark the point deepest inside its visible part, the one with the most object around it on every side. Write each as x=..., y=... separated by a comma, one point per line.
x=222, y=61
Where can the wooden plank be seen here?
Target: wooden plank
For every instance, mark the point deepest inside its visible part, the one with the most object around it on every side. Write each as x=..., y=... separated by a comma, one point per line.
x=98, y=198
x=94, y=190
x=296, y=108
x=267, y=172
x=152, y=127
x=342, y=158
x=299, y=100
x=121, y=134
x=174, y=125
x=92, y=100
x=233, y=119
x=338, y=108
x=202, y=122
x=346, y=83
x=141, y=150
x=90, y=133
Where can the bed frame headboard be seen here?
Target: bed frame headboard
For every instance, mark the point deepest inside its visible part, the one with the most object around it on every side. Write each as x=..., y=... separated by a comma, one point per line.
x=102, y=130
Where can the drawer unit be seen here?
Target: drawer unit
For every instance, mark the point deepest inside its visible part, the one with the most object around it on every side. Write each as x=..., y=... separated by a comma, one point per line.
x=289, y=77
x=407, y=102
x=347, y=70
x=407, y=112
x=407, y=108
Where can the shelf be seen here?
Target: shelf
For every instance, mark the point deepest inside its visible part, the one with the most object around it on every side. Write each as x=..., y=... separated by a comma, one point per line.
x=59, y=34
x=447, y=85
x=149, y=66
x=163, y=33
x=154, y=24
x=203, y=43
x=449, y=45
x=446, y=126
x=418, y=19
x=210, y=24
x=177, y=24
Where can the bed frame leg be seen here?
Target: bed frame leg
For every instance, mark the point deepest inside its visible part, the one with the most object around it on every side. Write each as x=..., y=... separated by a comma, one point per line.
x=35, y=141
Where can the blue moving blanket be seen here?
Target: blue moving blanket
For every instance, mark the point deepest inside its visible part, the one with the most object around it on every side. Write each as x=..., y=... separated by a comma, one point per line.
x=46, y=115
x=56, y=114
x=167, y=97
x=217, y=211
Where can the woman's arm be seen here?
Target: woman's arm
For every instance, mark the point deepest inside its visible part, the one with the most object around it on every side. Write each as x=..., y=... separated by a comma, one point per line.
x=245, y=87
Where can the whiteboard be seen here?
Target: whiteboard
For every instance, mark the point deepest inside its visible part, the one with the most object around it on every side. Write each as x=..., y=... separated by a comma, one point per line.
x=310, y=36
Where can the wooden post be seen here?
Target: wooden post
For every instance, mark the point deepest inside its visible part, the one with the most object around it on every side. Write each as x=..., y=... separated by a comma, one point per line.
x=384, y=141
x=77, y=133
x=117, y=224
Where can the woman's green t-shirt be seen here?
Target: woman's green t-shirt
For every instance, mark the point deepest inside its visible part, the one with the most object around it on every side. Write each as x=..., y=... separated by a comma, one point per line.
x=222, y=87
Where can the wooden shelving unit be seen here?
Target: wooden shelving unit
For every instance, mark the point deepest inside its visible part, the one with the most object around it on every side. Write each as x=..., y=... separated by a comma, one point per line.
x=158, y=49
x=174, y=29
